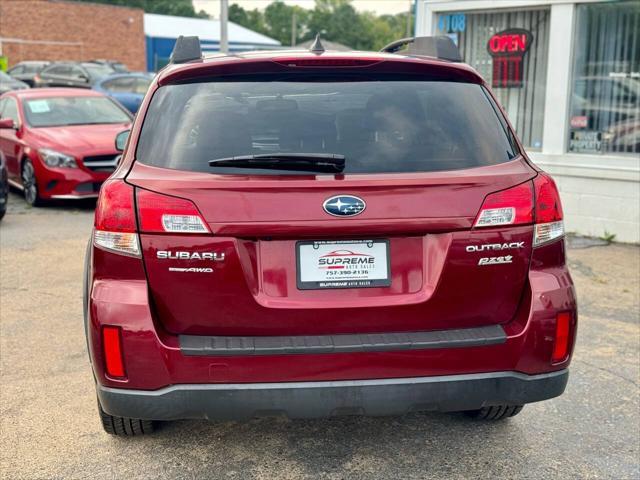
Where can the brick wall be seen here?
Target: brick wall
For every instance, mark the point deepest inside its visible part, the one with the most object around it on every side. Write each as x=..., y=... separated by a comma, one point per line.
x=66, y=30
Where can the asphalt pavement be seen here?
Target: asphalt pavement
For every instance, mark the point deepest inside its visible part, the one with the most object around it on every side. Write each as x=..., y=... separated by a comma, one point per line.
x=49, y=425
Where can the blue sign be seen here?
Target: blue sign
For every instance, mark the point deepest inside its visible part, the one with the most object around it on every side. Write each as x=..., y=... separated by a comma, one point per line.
x=452, y=23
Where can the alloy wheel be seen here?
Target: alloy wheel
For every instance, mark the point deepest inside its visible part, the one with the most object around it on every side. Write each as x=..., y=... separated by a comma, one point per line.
x=29, y=183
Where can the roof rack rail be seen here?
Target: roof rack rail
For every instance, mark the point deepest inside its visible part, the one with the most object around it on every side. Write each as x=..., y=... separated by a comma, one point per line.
x=186, y=50
x=441, y=47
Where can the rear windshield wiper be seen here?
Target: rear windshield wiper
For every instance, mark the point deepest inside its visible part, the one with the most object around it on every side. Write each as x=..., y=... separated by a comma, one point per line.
x=301, y=162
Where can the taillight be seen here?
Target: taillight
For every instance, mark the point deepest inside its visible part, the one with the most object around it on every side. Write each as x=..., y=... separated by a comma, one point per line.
x=561, y=346
x=115, y=222
x=165, y=214
x=112, y=348
x=549, y=225
x=513, y=206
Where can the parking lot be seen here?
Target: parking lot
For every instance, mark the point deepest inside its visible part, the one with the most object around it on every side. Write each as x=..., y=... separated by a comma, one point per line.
x=50, y=428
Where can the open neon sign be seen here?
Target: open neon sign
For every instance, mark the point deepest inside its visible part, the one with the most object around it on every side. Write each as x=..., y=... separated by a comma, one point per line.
x=507, y=48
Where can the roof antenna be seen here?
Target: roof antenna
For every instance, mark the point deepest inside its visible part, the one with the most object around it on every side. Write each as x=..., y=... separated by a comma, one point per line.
x=186, y=50
x=317, y=47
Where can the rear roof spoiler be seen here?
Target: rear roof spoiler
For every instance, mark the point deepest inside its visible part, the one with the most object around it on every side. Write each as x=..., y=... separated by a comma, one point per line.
x=186, y=50
x=441, y=47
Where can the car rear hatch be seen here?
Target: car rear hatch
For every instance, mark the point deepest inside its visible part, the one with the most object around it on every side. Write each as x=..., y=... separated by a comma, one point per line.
x=387, y=245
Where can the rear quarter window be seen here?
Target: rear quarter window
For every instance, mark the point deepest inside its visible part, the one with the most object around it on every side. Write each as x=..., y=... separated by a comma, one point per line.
x=380, y=125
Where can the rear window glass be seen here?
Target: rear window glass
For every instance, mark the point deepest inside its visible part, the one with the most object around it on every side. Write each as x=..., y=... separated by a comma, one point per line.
x=33, y=68
x=97, y=70
x=379, y=126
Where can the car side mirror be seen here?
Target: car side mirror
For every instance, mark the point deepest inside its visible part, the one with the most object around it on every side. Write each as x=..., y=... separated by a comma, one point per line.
x=7, y=123
x=121, y=140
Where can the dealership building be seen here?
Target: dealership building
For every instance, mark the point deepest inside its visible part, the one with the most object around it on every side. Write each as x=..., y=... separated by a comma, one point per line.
x=568, y=75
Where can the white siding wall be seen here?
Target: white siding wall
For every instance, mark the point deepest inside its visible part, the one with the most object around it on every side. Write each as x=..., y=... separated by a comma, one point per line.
x=596, y=201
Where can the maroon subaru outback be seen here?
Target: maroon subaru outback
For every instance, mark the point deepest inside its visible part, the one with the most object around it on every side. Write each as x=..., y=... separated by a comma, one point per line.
x=313, y=233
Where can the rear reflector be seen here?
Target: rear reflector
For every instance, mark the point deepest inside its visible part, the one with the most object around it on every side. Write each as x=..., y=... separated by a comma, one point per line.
x=115, y=223
x=561, y=346
x=112, y=345
x=165, y=214
x=513, y=206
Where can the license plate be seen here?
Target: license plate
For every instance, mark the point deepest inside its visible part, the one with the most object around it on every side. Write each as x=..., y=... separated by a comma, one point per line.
x=342, y=264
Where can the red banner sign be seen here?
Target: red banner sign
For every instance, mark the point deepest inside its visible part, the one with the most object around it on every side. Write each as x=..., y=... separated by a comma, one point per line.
x=507, y=49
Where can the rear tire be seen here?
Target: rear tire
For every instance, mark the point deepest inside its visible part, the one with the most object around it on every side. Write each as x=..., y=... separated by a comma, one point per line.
x=497, y=412
x=123, y=426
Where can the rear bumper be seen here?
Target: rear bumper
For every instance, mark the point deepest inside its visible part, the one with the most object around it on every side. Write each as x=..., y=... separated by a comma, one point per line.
x=157, y=361
x=394, y=396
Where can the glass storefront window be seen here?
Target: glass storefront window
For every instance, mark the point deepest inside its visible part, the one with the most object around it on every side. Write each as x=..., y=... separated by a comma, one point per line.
x=605, y=95
x=509, y=49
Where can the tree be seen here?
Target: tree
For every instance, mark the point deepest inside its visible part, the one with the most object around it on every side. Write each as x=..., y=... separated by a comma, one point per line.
x=334, y=20
x=180, y=8
x=338, y=21
x=251, y=19
x=276, y=21
x=279, y=20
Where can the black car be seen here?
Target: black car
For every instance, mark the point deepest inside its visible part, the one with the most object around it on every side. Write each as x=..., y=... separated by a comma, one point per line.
x=4, y=186
x=71, y=74
x=26, y=71
x=8, y=83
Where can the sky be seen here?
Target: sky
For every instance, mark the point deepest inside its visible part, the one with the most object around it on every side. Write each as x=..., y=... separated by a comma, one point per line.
x=381, y=7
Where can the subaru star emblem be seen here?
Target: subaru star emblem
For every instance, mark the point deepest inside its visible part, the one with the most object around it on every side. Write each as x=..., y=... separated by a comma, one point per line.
x=344, y=206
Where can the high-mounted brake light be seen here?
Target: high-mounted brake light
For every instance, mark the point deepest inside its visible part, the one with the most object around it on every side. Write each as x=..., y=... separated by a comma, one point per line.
x=327, y=62
x=115, y=223
x=165, y=214
x=561, y=346
x=513, y=206
x=112, y=348
x=549, y=224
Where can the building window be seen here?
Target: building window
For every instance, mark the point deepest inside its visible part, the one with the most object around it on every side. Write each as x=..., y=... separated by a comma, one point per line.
x=509, y=49
x=605, y=98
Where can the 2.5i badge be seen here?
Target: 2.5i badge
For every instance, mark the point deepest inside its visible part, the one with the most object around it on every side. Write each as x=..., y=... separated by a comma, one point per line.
x=495, y=260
